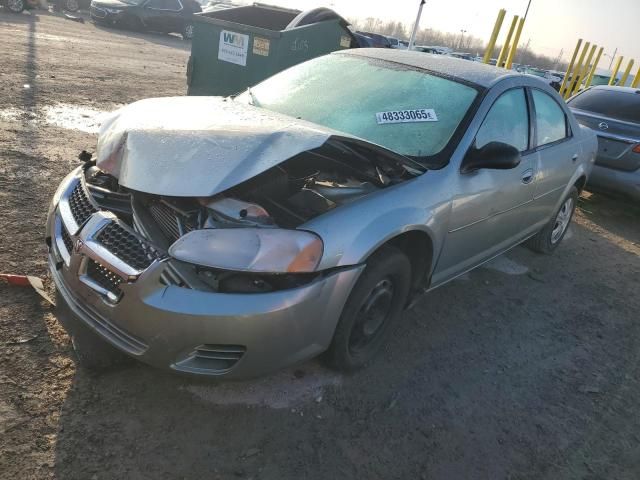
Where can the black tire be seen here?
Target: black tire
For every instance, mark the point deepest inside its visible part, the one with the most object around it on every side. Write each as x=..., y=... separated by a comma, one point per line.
x=352, y=347
x=15, y=6
x=187, y=32
x=92, y=352
x=546, y=240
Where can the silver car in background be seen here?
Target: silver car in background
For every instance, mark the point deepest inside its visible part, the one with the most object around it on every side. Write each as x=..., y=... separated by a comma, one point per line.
x=614, y=114
x=231, y=237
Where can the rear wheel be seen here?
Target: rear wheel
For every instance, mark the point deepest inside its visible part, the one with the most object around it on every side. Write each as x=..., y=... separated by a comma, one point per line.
x=15, y=6
x=372, y=311
x=187, y=31
x=71, y=5
x=547, y=239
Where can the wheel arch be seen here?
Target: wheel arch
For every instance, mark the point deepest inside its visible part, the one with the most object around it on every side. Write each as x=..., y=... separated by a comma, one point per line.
x=418, y=246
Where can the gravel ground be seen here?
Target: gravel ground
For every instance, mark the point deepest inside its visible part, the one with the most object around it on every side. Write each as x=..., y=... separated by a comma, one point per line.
x=525, y=368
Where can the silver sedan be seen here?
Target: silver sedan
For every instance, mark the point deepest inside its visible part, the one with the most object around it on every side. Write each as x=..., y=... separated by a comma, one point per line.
x=235, y=236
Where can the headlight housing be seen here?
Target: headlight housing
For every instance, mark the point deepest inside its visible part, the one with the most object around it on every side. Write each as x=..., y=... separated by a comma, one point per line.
x=260, y=250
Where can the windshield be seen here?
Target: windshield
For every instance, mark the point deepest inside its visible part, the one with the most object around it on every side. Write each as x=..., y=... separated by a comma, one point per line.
x=620, y=105
x=411, y=112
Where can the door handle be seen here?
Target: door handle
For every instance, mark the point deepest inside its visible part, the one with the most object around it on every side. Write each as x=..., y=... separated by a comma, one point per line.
x=575, y=157
x=527, y=176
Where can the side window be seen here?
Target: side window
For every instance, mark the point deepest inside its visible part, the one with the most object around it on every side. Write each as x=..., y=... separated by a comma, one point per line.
x=172, y=5
x=551, y=121
x=507, y=121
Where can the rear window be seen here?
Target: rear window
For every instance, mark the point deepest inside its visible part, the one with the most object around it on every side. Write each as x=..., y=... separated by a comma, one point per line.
x=618, y=105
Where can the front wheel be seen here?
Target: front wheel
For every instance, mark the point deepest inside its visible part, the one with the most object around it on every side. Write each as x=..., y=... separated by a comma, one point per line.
x=547, y=239
x=372, y=311
x=15, y=6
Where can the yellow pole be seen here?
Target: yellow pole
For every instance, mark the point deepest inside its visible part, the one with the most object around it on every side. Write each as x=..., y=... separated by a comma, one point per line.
x=570, y=67
x=593, y=68
x=494, y=35
x=583, y=72
x=636, y=79
x=505, y=47
x=576, y=71
x=616, y=67
x=626, y=73
x=514, y=45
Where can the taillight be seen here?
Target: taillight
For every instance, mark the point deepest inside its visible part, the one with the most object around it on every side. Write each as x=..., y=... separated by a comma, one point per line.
x=637, y=148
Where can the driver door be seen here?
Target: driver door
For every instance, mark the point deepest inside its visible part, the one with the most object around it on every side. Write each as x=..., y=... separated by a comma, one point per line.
x=493, y=208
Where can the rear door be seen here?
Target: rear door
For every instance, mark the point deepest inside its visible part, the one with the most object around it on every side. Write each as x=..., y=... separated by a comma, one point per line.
x=615, y=117
x=164, y=15
x=558, y=152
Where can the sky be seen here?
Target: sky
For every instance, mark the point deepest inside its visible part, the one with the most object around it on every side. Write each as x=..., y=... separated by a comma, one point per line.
x=552, y=25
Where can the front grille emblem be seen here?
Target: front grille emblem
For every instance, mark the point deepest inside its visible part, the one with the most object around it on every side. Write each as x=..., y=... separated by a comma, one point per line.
x=78, y=245
x=603, y=125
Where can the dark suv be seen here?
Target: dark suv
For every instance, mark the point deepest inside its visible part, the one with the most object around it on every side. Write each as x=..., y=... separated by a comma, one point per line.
x=166, y=16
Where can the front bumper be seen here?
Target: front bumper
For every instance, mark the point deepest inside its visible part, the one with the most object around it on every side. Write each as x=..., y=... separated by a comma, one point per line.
x=615, y=181
x=187, y=330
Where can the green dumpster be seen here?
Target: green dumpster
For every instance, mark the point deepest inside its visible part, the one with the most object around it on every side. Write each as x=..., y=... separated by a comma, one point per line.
x=236, y=48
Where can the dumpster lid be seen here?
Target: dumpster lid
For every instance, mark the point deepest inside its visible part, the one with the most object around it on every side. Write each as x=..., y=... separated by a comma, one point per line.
x=199, y=146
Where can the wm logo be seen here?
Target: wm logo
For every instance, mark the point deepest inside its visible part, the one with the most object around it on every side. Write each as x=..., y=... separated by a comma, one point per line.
x=233, y=39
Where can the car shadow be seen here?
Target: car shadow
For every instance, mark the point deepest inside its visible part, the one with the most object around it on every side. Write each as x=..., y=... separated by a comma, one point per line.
x=494, y=375
x=617, y=215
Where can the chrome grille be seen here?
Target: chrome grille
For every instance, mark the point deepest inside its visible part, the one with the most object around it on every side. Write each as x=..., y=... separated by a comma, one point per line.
x=127, y=246
x=66, y=238
x=104, y=277
x=81, y=207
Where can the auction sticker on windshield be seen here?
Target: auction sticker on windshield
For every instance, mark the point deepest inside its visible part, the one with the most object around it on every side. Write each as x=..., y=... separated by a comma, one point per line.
x=407, y=116
x=233, y=47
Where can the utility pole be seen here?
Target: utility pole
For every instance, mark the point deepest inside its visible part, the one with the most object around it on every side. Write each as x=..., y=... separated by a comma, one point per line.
x=526, y=11
x=612, y=57
x=460, y=44
x=556, y=62
x=524, y=52
x=416, y=25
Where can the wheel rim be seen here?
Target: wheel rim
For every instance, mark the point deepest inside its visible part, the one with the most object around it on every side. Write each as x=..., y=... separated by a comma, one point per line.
x=372, y=316
x=562, y=220
x=15, y=5
x=188, y=31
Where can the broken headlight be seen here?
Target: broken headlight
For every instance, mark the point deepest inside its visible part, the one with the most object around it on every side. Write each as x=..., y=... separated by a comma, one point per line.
x=264, y=250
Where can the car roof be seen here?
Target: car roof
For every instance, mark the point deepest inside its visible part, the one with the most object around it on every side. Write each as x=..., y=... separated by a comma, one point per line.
x=473, y=72
x=617, y=89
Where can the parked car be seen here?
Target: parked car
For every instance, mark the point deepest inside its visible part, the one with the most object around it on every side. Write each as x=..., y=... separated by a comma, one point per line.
x=395, y=43
x=614, y=114
x=234, y=236
x=378, y=41
x=463, y=55
x=166, y=16
x=424, y=49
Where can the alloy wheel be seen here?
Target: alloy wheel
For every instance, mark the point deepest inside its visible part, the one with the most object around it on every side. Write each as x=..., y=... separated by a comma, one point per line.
x=16, y=6
x=562, y=220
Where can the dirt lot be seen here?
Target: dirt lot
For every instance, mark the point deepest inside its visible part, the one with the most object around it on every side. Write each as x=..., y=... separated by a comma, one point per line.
x=526, y=368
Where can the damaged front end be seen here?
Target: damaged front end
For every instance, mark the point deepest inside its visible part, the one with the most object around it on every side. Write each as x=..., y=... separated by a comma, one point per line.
x=247, y=239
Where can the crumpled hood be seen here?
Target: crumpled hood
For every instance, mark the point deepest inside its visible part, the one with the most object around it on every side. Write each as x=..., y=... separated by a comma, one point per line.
x=198, y=146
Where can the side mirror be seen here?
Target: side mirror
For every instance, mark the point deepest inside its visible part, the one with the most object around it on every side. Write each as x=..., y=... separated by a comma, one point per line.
x=494, y=155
